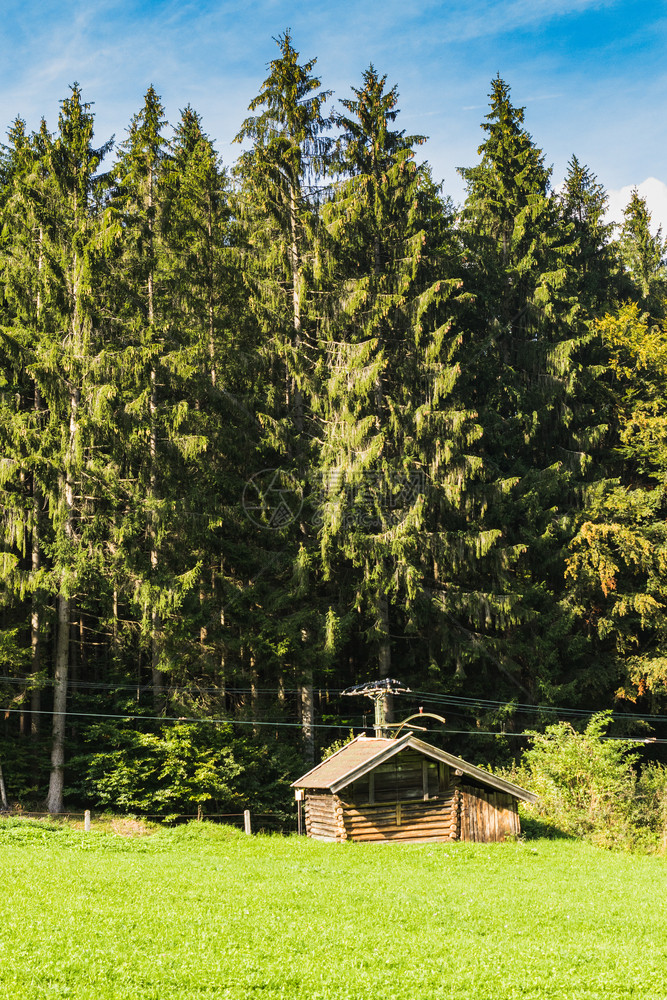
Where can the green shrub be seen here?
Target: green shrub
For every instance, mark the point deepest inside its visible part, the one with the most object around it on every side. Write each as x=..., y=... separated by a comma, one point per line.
x=184, y=768
x=649, y=815
x=585, y=782
x=337, y=745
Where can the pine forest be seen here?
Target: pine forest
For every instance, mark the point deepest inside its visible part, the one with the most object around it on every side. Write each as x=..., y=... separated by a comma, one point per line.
x=274, y=428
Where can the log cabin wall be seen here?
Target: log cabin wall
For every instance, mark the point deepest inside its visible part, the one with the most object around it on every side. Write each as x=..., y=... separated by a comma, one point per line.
x=430, y=820
x=488, y=816
x=322, y=817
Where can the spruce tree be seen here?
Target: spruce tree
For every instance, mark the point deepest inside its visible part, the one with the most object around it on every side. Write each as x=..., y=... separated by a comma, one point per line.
x=159, y=388
x=50, y=268
x=522, y=377
x=643, y=257
x=278, y=197
x=22, y=262
x=583, y=202
x=207, y=305
x=391, y=430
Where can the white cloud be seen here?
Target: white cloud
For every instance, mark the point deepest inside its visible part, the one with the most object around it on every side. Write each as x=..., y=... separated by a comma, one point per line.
x=655, y=193
x=477, y=20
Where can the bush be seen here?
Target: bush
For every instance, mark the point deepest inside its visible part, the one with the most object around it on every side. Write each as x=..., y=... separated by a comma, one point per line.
x=585, y=782
x=650, y=807
x=184, y=768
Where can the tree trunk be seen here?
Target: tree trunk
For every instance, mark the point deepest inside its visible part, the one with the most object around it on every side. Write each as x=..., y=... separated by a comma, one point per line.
x=308, y=718
x=156, y=620
x=384, y=654
x=4, y=804
x=297, y=399
x=35, y=612
x=223, y=662
x=211, y=285
x=54, y=801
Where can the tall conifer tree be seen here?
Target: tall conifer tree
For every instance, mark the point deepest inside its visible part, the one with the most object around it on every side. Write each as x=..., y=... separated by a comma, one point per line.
x=159, y=390
x=50, y=274
x=280, y=177
x=521, y=377
x=391, y=429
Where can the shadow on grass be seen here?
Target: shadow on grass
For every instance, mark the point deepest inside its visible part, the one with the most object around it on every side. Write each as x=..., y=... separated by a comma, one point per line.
x=533, y=828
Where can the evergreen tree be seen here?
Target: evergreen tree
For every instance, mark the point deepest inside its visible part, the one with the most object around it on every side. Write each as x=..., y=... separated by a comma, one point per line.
x=643, y=257
x=279, y=193
x=160, y=381
x=391, y=430
x=583, y=203
x=22, y=263
x=208, y=306
x=50, y=271
x=522, y=378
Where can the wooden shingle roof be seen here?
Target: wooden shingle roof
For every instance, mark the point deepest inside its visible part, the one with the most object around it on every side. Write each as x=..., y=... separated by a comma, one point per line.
x=362, y=750
x=364, y=754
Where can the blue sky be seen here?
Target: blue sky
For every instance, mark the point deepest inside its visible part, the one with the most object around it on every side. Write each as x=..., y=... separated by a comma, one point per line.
x=592, y=74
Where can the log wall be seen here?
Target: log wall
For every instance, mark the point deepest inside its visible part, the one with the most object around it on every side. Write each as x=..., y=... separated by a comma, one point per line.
x=324, y=817
x=488, y=816
x=437, y=819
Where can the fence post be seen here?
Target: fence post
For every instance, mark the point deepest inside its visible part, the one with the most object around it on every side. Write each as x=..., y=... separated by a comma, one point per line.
x=86, y=821
x=246, y=821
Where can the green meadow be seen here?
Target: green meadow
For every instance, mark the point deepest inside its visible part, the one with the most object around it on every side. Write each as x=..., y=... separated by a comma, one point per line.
x=203, y=911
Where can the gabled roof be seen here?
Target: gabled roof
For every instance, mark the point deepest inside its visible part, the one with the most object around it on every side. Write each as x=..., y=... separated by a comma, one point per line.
x=364, y=754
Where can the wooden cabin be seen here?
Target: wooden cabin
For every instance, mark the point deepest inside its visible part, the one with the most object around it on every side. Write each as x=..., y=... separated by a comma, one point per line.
x=406, y=790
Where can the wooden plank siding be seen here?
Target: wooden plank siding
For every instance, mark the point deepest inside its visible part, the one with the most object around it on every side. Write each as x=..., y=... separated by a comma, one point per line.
x=488, y=816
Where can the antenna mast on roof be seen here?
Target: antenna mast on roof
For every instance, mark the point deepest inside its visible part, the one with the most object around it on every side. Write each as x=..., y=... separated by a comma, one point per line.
x=378, y=691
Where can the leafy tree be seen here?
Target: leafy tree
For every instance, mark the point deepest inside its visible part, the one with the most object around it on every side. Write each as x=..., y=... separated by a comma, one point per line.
x=618, y=560
x=584, y=780
x=185, y=766
x=169, y=772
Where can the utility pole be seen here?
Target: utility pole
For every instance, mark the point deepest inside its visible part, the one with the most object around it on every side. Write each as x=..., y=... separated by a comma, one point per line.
x=378, y=692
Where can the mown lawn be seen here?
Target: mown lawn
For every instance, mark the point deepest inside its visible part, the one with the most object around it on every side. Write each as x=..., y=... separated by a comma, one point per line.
x=203, y=911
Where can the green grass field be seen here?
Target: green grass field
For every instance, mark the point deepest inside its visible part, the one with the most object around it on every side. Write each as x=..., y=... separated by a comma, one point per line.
x=203, y=911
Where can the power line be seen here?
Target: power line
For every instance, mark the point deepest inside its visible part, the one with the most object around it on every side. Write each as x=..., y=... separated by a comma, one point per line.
x=459, y=701
x=488, y=703
x=129, y=717
x=135, y=717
